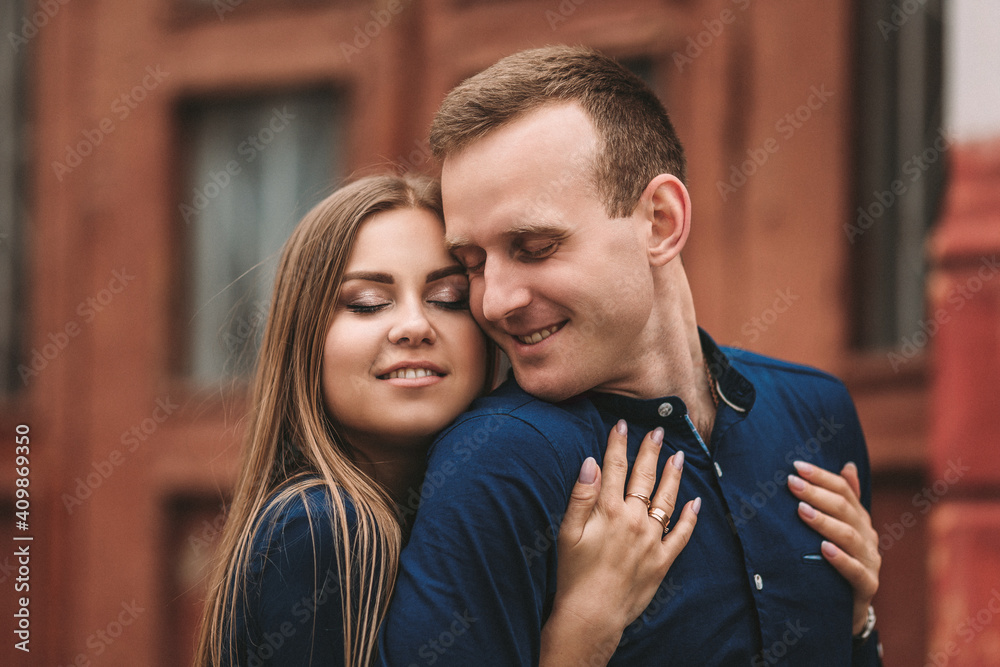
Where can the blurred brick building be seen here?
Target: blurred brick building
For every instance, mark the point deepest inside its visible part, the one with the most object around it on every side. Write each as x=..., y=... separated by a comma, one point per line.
x=844, y=168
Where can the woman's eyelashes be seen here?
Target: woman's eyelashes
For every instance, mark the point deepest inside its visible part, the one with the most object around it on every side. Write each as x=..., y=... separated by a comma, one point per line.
x=448, y=298
x=366, y=308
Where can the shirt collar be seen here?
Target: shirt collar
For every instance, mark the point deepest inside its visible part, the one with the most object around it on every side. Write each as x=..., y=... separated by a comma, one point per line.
x=735, y=392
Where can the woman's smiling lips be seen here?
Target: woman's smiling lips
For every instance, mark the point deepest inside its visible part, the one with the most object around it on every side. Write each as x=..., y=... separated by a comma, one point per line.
x=412, y=374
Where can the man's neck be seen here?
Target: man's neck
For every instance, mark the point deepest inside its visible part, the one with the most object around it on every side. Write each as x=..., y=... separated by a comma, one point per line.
x=669, y=360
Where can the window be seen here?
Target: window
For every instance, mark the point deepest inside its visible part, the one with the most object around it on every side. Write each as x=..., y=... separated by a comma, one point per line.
x=254, y=167
x=900, y=156
x=13, y=208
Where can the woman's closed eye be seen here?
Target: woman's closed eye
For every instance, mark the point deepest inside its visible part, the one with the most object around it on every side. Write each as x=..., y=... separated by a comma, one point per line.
x=449, y=297
x=364, y=308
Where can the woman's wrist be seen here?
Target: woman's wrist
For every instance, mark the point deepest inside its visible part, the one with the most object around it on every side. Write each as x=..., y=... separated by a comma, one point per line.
x=864, y=622
x=570, y=637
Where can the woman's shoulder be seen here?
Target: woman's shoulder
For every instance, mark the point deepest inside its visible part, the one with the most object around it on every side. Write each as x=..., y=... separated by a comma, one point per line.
x=303, y=518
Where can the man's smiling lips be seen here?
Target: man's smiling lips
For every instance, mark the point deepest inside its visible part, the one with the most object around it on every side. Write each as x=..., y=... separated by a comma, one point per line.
x=538, y=336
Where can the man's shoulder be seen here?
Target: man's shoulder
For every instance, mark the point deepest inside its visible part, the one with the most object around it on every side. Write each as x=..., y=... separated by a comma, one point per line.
x=511, y=421
x=764, y=371
x=509, y=404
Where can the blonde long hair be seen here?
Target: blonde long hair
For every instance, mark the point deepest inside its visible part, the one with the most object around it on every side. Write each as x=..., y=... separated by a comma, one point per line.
x=292, y=444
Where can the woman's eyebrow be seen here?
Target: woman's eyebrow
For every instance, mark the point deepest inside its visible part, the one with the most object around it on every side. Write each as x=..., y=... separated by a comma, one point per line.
x=451, y=270
x=370, y=276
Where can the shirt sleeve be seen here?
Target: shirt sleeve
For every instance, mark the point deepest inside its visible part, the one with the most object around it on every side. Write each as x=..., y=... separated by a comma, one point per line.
x=474, y=579
x=296, y=609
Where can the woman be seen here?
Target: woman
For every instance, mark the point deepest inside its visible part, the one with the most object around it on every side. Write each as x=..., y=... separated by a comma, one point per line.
x=370, y=351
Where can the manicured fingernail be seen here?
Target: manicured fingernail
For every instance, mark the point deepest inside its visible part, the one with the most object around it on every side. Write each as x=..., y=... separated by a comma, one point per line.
x=696, y=505
x=829, y=549
x=852, y=464
x=621, y=427
x=803, y=467
x=807, y=510
x=796, y=483
x=657, y=435
x=677, y=460
x=588, y=471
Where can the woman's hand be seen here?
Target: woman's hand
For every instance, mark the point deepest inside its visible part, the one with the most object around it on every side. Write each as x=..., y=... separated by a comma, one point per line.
x=613, y=553
x=831, y=505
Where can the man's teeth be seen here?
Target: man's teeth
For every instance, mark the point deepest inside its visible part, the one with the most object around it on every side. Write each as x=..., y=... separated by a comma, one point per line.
x=538, y=336
x=409, y=373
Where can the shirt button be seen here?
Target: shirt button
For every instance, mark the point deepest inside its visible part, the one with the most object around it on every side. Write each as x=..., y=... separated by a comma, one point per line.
x=665, y=409
x=758, y=581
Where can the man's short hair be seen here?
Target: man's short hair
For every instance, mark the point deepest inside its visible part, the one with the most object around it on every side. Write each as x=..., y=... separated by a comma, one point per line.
x=638, y=139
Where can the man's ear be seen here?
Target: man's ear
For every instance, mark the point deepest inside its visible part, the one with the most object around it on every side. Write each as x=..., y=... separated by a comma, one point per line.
x=666, y=207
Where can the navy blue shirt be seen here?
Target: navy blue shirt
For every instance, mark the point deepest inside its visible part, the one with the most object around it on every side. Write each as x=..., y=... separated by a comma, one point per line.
x=478, y=576
x=290, y=611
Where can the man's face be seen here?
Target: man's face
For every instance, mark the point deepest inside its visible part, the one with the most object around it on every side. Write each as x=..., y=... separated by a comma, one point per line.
x=562, y=288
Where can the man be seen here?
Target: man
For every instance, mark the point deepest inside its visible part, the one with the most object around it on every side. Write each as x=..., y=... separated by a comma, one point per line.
x=564, y=197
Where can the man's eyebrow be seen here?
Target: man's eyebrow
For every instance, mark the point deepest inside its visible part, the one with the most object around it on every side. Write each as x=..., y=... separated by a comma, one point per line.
x=553, y=230
x=538, y=229
x=370, y=276
x=453, y=243
x=450, y=270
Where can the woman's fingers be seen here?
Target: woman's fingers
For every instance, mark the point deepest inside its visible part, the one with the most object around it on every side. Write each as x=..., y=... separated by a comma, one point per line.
x=860, y=575
x=643, y=477
x=666, y=492
x=582, y=500
x=850, y=473
x=616, y=460
x=680, y=534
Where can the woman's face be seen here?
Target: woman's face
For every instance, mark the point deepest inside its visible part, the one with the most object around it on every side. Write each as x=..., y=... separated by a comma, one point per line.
x=403, y=356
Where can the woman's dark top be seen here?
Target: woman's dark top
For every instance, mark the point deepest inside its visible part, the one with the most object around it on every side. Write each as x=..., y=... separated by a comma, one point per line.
x=293, y=612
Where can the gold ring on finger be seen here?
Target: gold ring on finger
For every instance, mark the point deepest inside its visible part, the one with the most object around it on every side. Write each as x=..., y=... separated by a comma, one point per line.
x=660, y=516
x=641, y=497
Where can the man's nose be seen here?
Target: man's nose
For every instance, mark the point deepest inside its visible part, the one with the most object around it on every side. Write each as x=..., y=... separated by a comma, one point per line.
x=504, y=291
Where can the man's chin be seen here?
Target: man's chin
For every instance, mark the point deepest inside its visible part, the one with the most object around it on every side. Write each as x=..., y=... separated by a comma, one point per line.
x=545, y=385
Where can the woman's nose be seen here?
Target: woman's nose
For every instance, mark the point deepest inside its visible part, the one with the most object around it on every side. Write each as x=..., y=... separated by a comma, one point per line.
x=413, y=326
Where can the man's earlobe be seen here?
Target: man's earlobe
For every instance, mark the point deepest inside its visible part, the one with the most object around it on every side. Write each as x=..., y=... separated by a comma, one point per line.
x=668, y=210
